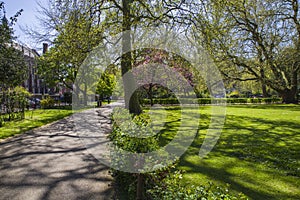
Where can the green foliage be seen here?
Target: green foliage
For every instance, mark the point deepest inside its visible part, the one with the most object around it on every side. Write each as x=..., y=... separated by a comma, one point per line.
x=77, y=36
x=134, y=136
x=22, y=96
x=12, y=64
x=265, y=51
x=164, y=183
x=160, y=101
x=172, y=187
x=6, y=30
x=12, y=67
x=257, y=153
x=48, y=102
x=204, y=101
x=234, y=94
x=13, y=104
x=106, y=85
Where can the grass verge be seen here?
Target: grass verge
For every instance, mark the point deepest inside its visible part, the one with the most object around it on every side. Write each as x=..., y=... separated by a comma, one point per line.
x=33, y=119
x=257, y=153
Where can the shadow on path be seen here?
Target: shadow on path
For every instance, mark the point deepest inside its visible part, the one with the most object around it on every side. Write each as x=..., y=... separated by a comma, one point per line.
x=51, y=163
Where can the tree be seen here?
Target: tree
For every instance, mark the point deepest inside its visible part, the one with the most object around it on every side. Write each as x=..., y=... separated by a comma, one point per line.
x=12, y=64
x=76, y=37
x=12, y=71
x=249, y=38
x=133, y=12
x=13, y=103
x=116, y=16
x=106, y=85
x=153, y=69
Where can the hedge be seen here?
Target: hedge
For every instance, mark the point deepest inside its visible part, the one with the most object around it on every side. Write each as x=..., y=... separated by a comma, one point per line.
x=203, y=101
x=48, y=102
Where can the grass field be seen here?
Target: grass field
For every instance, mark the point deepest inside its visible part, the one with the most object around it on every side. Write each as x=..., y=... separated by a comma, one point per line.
x=33, y=119
x=257, y=154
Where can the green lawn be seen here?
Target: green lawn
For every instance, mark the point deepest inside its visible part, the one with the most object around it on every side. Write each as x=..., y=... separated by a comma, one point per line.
x=33, y=119
x=258, y=152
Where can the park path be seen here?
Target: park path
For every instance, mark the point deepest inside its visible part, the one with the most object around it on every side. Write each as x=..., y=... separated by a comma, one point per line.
x=51, y=162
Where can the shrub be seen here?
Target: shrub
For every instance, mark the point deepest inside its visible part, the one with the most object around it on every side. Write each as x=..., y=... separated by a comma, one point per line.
x=133, y=134
x=168, y=185
x=234, y=94
x=13, y=103
x=206, y=101
x=48, y=102
x=271, y=100
x=237, y=100
x=165, y=101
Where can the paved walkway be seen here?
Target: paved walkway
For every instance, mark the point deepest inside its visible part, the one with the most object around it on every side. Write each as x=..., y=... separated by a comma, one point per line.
x=51, y=162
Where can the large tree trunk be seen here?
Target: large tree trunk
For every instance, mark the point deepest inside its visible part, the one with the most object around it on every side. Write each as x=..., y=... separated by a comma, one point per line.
x=140, y=187
x=263, y=85
x=150, y=94
x=85, y=97
x=289, y=95
x=131, y=97
x=264, y=90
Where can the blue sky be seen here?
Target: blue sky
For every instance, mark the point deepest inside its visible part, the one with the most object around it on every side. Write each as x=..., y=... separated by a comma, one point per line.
x=28, y=18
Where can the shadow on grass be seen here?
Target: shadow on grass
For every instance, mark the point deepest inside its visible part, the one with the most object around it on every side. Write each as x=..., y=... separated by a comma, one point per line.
x=252, y=143
x=52, y=118
x=290, y=107
x=33, y=119
x=258, y=156
x=276, y=143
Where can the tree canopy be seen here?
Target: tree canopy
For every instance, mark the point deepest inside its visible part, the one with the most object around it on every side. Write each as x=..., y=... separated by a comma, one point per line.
x=106, y=85
x=250, y=39
x=12, y=64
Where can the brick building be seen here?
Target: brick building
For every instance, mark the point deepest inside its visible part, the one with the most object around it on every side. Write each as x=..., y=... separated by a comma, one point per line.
x=34, y=84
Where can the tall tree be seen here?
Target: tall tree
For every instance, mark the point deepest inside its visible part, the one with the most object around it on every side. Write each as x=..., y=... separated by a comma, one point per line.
x=115, y=17
x=12, y=64
x=131, y=97
x=247, y=38
x=106, y=85
x=76, y=37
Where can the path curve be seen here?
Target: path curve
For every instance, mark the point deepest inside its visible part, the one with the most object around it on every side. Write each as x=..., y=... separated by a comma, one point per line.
x=51, y=163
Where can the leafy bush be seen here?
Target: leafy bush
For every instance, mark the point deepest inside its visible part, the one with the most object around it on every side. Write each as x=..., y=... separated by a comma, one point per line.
x=133, y=134
x=237, y=100
x=172, y=187
x=160, y=101
x=234, y=94
x=13, y=104
x=271, y=100
x=48, y=102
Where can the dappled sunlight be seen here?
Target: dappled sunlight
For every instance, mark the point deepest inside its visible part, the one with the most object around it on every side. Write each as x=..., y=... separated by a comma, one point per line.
x=51, y=163
x=33, y=119
x=257, y=153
